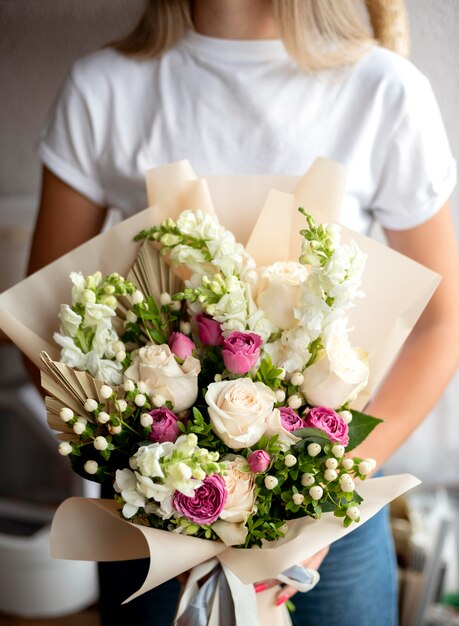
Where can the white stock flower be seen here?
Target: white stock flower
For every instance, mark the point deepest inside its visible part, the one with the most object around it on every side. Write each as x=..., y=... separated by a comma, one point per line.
x=70, y=321
x=238, y=410
x=340, y=372
x=291, y=350
x=71, y=354
x=108, y=371
x=199, y=225
x=179, y=478
x=97, y=315
x=156, y=366
x=126, y=484
x=279, y=290
x=78, y=288
x=148, y=458
x=104, y=341
x=152, y=490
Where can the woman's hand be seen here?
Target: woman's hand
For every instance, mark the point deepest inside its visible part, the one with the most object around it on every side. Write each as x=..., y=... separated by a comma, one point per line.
x=286, y=592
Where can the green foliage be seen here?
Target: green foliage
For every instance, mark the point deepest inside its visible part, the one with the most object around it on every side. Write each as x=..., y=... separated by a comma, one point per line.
x=360, y=427
x=268, y=374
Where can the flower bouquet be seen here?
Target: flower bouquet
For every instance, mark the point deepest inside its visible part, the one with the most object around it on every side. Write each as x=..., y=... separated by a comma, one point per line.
x=216, y=386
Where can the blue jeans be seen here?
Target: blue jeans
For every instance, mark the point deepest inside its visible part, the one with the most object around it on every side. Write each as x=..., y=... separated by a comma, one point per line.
x=358, y=583
x=357, y=587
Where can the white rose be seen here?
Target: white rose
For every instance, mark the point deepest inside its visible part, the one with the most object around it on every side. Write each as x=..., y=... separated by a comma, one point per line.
x=279, y=292
x=238, y=410
x=70, y=321
x=274, y=427
x=157, y=368
x=340, y=373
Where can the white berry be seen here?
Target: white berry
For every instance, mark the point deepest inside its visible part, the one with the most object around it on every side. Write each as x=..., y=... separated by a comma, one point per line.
x=307, y=479
x=165, y=298
x=316, y=492
x=295, y=401
x=103, y=417
x=64, y=448
x=353, y=512
x=142, y=387
x=298, y=498
x=372, y=462
x=106, y=392
x=364, y=468
x=66, y=414
x=290, y=460
x=185, y=328
x=140, y=399
x=131, y=317
x=122, y=405
x=331, y=464
x=297, y=379
x=137, y=297
x=280, y=395
x=114, y=430
x=146, y=420
x=158, y=400
x=129, y=385
x=330, y=474
x=346, y=482
x=347, y=464
x=271, y=482
x=90, y=405
x=346, y=416
x=338, y=450
x=217, y=378
x=100, y=443
x=79, y=427
x=91, y=467
x=314, y=449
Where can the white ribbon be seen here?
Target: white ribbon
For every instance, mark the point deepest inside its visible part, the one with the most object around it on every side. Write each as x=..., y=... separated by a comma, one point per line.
x=224, y=600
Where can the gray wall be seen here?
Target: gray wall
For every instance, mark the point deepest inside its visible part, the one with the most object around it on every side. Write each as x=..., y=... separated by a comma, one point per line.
x=39, y=39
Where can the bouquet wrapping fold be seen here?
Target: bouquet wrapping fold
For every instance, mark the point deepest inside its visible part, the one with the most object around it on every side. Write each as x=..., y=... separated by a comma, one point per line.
x=270, y=233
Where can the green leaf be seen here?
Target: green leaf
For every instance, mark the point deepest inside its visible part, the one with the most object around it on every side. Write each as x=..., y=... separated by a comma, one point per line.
x=360, y=427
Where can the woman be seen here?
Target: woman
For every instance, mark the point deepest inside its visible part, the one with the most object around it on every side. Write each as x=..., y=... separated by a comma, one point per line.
x=229, y=97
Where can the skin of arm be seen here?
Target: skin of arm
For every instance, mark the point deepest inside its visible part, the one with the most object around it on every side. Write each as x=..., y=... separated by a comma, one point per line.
x=65, y=220
x=430, y=355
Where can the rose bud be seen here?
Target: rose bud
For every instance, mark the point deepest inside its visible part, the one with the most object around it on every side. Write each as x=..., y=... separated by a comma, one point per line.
x=164, y=426
x=210, y=332
x=181, y=345
x=241, y=351
x=259, y=461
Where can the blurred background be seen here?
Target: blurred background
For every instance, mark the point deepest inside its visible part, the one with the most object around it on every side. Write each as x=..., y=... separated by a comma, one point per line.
x=39, y=40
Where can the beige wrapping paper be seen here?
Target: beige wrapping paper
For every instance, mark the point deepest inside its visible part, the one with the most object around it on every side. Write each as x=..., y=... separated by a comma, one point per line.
x=397, y=289
x=85, y=529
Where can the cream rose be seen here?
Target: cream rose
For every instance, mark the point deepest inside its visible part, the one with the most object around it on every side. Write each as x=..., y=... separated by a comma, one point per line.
x=279, y=291
x=238, y=410
x=240, y=502
x=338, y=376
x=157, y=368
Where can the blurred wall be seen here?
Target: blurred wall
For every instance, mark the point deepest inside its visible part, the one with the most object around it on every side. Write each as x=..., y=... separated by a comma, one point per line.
x=39, y=39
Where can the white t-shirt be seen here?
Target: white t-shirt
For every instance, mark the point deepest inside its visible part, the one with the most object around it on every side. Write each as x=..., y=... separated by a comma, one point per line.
x=244, y=107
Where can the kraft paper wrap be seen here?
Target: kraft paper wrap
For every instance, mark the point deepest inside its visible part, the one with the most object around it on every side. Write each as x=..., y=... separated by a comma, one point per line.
x=262, y=213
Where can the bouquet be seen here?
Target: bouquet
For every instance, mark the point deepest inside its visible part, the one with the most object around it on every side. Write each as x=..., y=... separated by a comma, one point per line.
x=219, y=395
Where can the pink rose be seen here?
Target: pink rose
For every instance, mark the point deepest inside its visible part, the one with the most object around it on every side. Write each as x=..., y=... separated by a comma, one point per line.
x=164, y=426
x=290, y=420
x=259, y=461
x=206, y=504
x=210, y=332
x=241, y=351
x=330, y=422
x=181, y=345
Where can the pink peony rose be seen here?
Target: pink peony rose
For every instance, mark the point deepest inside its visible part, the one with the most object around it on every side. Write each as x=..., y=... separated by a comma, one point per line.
x=330, y=422
x=259, y=461
x=290, y=420
x=181, y=345
x=241, y=351
x=206, y=504
x=210, y=332
x=164, y=426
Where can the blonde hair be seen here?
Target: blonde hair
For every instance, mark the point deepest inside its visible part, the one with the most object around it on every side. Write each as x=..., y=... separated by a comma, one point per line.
x=318, y=34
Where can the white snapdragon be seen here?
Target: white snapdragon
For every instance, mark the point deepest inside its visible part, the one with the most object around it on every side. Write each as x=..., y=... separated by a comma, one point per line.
x=126, y=485
x=291, y=350
x=70, y=321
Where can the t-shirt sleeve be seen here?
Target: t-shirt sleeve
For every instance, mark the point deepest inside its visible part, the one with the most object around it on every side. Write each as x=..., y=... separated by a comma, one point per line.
x=67, y=144
x=419, y=172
